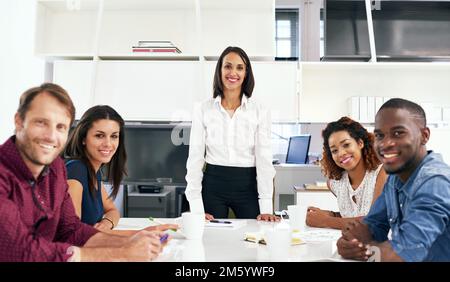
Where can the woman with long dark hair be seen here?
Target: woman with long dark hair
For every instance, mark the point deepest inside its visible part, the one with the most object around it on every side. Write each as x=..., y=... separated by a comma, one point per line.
x=230, y=157
x=96, y=141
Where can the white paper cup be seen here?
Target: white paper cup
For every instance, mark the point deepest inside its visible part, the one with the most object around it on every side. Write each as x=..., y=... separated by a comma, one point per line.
x=193, y=225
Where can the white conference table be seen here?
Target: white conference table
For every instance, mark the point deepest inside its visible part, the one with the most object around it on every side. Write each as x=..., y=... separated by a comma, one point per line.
x=221, y=244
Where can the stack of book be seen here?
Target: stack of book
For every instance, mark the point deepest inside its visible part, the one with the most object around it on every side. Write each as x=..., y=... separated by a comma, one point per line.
x=155, y=46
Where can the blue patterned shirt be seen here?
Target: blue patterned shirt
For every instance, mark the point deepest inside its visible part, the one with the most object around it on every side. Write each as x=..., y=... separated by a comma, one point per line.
x=417, y=212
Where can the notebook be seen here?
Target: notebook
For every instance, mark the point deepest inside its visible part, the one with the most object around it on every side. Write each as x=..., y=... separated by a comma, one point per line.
x=231, y=224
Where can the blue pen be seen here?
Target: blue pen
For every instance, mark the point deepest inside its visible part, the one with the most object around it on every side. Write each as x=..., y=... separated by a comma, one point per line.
x=220, y=221
x=164, y=237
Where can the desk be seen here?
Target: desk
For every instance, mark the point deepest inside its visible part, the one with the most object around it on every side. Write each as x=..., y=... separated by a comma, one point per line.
x=223, y=245
x=320, y=199
x=288, y=175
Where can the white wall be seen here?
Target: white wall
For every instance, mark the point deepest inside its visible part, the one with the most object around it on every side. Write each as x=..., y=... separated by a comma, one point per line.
x=19, y=68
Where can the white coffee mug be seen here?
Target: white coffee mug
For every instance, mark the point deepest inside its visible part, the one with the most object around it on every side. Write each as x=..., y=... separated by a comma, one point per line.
x=192, y=225
x=297, y=217
x=278, y=242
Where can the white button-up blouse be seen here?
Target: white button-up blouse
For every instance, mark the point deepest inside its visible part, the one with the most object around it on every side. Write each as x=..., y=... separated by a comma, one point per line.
x=243, y=140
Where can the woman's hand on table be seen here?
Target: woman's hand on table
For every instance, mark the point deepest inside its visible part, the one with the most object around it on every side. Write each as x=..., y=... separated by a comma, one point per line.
x=316, y=217
x=268, y=217
x=209, y=216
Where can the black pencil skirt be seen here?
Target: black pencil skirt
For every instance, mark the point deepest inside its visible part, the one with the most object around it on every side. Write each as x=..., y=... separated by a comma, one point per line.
x=226, y=187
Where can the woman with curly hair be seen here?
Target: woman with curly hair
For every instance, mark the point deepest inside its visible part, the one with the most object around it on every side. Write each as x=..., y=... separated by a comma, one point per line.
x=355, y=175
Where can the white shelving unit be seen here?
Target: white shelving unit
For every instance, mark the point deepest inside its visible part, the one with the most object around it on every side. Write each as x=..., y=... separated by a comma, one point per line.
x=149, y=90
x=147, y=57
x=275, y=87
x=76, y=78
x=90, y=43
x=327, y=86
x=63, y=30
x=109, y=28
x=125, y=22
x=249, y=24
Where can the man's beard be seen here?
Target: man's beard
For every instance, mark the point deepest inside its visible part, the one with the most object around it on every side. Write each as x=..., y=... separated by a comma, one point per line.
x=26, y=147
x=406, y=166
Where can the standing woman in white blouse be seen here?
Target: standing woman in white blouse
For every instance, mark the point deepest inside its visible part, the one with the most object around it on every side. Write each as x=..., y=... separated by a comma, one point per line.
x=355, y=175
x=230, y=156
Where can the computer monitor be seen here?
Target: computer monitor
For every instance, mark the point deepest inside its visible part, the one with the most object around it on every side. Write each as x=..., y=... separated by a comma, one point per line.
x=298, y=149
x=157, y=152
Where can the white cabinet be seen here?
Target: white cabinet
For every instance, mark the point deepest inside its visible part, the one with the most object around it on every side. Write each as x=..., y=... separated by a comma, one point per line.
x=149, y=90
x=209, y=67
x=275, y=87
x=151, y=86
x=326, y=87
x=167, y=90
x=102, y=33
x=320, y=199
x=249, y=24
x=290, y=175
x=123, y=23
x=109, y=28
x=439, y=142
x=76, y=77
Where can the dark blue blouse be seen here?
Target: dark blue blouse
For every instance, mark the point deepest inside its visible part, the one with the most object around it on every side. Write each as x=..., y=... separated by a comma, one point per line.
x=91, y=208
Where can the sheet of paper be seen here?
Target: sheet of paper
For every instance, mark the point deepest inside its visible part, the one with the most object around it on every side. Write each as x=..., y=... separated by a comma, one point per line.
x=318, y=235
x=235, y=224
